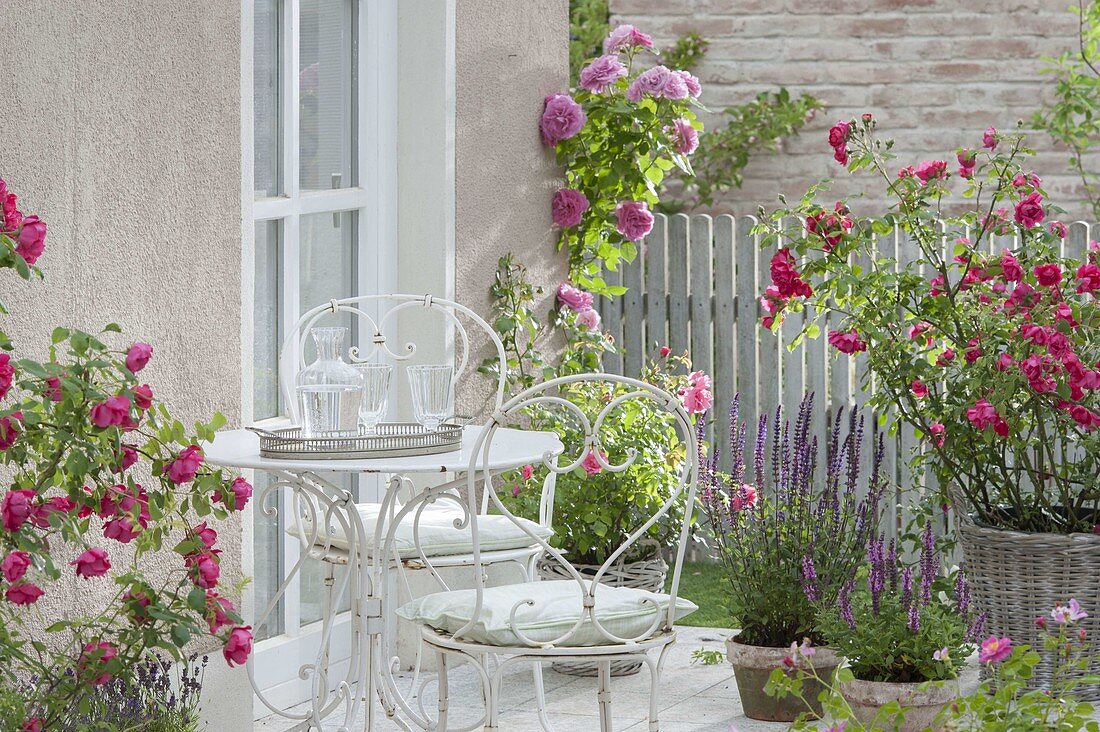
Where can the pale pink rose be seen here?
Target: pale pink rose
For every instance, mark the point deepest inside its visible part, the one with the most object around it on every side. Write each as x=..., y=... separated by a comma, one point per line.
x=691, y=81
x=675, y=88
x=239, y=646
x=573, y=298
x=650, y=82
x=697, y=396
x=588, y=319
x=561, y=119
x=626, y=38
x=591, y=464
x=633, y=220
x=567, y=207
x=602, y=73
x=685, y=138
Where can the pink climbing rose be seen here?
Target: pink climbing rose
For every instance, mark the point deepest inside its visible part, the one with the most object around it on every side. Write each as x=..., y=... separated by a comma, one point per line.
x=847, y=342
x=15, y=565
x=185, y=466
x=685, y=138
x=697, y=396
x=568, y=206
x=239, y=646
x=138, y=356
x=561, y=118
x=589, y=319
x=92, y=563
x=575, y=299
x=633, y=220
x=626, y=38
x=602, y=73
x=1029, y=211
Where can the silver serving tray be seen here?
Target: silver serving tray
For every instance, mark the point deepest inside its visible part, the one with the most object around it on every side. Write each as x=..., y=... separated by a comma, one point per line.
x=391, y=439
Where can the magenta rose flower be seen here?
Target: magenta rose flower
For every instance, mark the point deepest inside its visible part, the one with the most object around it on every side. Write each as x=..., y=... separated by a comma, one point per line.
x=1029, y=211
x=32, y=239
x=206, y=534
x=649, y=83
x=676, y=87
x=602, y=73
x=989, y=138
x=113, y=412
x=1088, y=278
x=24, y=593
x=239, y=646
x=567, y=207
x=123, y=530
x=561, y=119
x=1010, y=267
x=685, y=138
x=185, y=466
x=15, y=565
x=930, y=170
x=11, y=217
x=591, y=463
x=138, y=356
x=1049, y=275
x=937, y=429
x=92, y=563
x=994, y=649
x=919, y=389
x=9, y=429
x=691, y=81
x=588, y=319
x=143, y=396
x=205, y=571
x=16, y=508
x=242, y=491
x=984, y=415
x=96, y=656
x=847, y=342
x=574, y=299
x=626, y=38
x=7, y=373
x=633, y=220
x=218, y=610
x=1058, y=229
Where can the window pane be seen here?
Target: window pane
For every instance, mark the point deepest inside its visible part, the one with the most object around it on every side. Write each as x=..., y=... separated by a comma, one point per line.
x=266, y=98
x=267, y=530
x=327, y=48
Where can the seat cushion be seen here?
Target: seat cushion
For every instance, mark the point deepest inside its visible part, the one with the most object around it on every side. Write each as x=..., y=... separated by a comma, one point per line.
x=558, y=604
x=437, y=533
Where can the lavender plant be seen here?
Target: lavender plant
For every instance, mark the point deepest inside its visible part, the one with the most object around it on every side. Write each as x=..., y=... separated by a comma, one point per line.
x=901, y=623
x=791, y=539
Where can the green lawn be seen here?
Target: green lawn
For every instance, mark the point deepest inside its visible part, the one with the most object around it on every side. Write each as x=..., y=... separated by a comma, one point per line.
x=703, y=584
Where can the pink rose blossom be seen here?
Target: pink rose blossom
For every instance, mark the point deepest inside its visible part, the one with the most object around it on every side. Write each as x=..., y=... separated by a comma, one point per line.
x=626, y=38
x=633, y=220
x=561, y=119
x=16, y=508
x=127, y=456
x=1058, y=229
x=1063, y=614
x=989, y=139
x=207, y=535
x=205, y=571
x=239, y=646
x=53, y=390
x=744, y=498
x=588, y=319
x=919, y=389
x=1049, y=275
x=112, y=412
x=1029, y=211
x=1088, y=278
x=11, y=217
x=15, y=565
x=930, y=170
x=937, y=431
x=591, y=463
x=691, y=81
x=527, y=471
x=664, y=351
x=839, y=134
x=650, y=83
x=697, y=396
x=676, y=87
x=7, y=374
x=185, y=466
x=143, y=396
x=34, y=724
x=685, y=138
x=122, y=530
x=218, y=610
x=573, y=298
x=995, y=650
x=567, y=207
x=242, y=491
x=847, y=342
x=92, y=563
x=138, y=356
x=602, y=73
x=1010, y=267
x=1084, y=417
x=9, y=429
x=32, y=240
x=57, y=504
x=786, y=278
x=984, y=415
x=24, y=593
x=917, y=330
x=97, y=655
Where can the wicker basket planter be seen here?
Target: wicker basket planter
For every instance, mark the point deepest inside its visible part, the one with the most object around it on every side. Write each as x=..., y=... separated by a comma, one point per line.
x=648, y=574
x=1016, y=577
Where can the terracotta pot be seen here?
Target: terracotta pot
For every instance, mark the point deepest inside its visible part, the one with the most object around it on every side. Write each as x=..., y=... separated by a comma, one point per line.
x=753, y=666
x=922, y=704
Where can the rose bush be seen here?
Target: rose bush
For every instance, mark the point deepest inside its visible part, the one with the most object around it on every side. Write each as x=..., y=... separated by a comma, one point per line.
x=987, y=345
x=96, y=462
x=617, y=135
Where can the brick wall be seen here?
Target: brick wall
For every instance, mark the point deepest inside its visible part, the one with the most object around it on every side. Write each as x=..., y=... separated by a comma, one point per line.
x=934, y=72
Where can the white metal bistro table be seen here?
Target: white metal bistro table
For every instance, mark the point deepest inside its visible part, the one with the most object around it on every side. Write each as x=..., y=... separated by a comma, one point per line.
x=327, y=504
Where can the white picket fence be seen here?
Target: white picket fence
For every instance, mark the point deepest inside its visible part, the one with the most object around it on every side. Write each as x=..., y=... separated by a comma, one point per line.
x=695, y=286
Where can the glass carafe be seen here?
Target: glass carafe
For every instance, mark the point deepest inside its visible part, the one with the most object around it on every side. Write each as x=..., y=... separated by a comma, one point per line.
x=329, y=390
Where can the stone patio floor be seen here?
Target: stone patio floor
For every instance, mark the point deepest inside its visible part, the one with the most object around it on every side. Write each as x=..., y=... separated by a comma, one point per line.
x=693, y=697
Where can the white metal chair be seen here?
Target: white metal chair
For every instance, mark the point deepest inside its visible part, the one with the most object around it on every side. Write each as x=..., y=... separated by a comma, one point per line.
x=495, y=628
x=320, y=529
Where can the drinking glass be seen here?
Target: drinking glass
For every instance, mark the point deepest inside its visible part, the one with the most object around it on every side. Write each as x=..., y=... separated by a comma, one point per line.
x=431, y=394
x=376, y=393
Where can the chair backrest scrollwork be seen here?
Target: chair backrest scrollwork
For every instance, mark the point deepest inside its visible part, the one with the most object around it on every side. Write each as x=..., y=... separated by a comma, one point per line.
x=380, y=330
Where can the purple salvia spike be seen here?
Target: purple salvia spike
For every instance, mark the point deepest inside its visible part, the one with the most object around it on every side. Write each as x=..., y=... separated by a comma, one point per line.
x=809, y=579
x=906, y=585
x=758, y=453
x=928, y=563
x=914, y=618
x=962, y=594
x=844, y=602
x=977, y=628
x=877, y=576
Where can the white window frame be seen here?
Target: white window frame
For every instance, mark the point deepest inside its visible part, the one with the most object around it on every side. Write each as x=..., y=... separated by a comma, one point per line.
x=278, y=659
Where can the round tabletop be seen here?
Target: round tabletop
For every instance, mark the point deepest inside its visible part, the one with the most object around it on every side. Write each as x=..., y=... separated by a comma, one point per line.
x=511, y=448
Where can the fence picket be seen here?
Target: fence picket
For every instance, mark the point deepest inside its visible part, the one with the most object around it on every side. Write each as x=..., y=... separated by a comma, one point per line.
x=723, y=332
x=656, y=294
x=634, y=325
x=678, y=313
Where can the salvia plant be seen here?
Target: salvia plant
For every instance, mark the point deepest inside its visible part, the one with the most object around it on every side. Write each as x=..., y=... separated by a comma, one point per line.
x=799, y=529
x=902, y=623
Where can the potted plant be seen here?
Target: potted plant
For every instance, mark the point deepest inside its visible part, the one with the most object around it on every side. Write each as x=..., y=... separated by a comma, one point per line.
x=1003, y=703
x=980, y=335
x=78, y=431
x=788, y=540
x=906, y=632
x=593, y=511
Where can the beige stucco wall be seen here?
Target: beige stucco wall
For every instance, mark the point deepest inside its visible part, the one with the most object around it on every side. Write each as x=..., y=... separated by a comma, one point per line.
x=121, y=128
x=507, y=59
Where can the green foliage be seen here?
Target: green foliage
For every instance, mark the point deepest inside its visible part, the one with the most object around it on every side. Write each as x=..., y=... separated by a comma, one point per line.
x=686, y=53
x=972, y=309
x=589, y=24
x=596, y=510
x=750, y=128
x=1073, y=117
x=707, y=657
x=517, y=325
